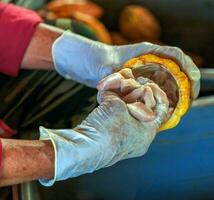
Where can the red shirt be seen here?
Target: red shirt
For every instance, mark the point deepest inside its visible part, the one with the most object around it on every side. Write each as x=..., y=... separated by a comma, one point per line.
x=17, y=26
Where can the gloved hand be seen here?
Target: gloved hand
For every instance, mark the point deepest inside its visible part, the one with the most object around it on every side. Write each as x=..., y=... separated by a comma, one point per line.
x=87, y=61
x=109, y=134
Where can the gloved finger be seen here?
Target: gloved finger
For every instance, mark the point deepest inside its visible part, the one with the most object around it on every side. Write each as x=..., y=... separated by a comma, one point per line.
x=126, y=73
x=134, y=95
x=143, y=94
x=148, y=97
x=126, y=52
x=139, y=111
x=160, y=95
x=118, y=81
x=162, y=104
x=128, y=85
x=112, y=102
x=194, y=75
x=112, y=81
x=186, y=64
x=161, y=111
x=110, y=105
x=104, y=95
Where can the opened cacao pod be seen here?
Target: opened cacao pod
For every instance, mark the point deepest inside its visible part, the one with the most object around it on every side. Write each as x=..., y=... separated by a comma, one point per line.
x=147, y=64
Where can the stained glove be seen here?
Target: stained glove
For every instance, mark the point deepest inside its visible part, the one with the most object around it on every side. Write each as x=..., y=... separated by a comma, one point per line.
x=87, y=61
x=109, y=134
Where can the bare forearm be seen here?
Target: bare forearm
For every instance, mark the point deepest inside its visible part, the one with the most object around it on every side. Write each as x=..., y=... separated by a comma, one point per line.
x=38, y=54
x=25, y=160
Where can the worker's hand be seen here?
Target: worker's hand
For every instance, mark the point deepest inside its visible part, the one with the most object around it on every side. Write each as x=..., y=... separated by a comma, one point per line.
x=185, y=62
x=87, y=61
x=127, y=52
x=109, y=134
x=82, y=60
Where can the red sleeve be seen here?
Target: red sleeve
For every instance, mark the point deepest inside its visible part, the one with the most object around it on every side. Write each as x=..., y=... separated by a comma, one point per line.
x=17, y=26
x=1, y=152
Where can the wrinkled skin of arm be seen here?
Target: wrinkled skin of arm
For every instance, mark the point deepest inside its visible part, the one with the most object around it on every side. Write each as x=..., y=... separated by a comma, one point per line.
x=26, y=160
x=30, y=160
x=140, y=95
x=38, y=54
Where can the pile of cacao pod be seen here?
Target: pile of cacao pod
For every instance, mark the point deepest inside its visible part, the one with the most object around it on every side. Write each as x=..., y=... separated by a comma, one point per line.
x=136, y=23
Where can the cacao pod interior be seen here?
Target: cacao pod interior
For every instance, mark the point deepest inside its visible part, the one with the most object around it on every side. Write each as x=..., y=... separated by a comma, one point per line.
x=149, y=63
x=150, y=70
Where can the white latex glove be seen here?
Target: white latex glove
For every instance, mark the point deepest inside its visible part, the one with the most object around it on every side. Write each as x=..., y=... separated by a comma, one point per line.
x=87, y=61
x=109, y=134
